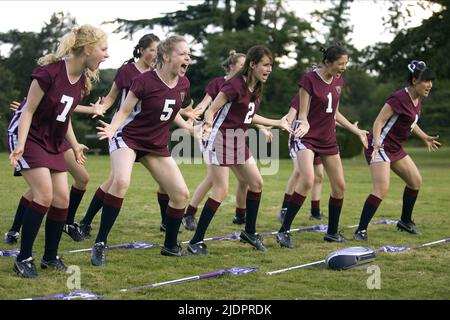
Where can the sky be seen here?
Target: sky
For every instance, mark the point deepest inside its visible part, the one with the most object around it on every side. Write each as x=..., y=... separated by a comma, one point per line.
x=366, y=17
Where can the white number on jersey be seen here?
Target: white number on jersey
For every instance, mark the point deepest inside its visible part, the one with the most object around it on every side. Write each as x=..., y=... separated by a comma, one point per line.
x=167, y=111
x=414, y=123
x=330, y=103
x=68, y=101
x=250, y=113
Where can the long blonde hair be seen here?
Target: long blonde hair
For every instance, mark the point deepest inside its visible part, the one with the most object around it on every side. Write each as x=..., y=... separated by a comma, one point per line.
x=166, y=47
x=74, y=43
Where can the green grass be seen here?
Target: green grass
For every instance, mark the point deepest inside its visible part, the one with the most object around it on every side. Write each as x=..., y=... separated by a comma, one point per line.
x=416, y=274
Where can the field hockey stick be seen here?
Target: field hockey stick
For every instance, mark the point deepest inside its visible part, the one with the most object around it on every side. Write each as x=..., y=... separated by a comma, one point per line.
x=235, y=271
x=133, y=245
x=270, y=273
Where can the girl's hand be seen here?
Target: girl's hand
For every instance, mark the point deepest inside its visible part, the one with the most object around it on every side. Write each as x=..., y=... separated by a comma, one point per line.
x=105, y=131
x=99, y=108
x=432, y=143
x=79, y=153
x=15, y=156
x=302, y=129
x=13, y=106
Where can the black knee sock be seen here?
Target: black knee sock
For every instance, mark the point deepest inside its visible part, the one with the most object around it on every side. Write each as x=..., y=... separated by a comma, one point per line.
x=95, y=205
x=18, y=218
x=32, y=220
x=315, y=208
x=253, y=200
x=294, y=205
x=409, y=199
x=173, y=221
x=54, y=224
x=75, y=198
x=286, y=200
x=334, y=212
x=209, y=209
x=163, y=201
x=111, y=209
x=370, y=207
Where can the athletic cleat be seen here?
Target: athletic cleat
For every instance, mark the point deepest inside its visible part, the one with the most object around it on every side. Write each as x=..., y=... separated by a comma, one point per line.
x=409, y=227
x=189, y=222
x=11, y=237
x=176, y=251
x=199, y=248
x=239, y=220
x=85, y=230
x=282, y=214
x=56, y=264
x=319, y=217
x=253, y=240
x=26, y=268
x=337, y=237
x=284, y=239
x=162, y=228
x=73, y=230
x=98, y=256
x=360, y=235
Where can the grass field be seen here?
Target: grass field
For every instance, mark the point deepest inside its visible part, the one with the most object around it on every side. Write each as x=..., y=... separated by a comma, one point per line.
x=415, y=274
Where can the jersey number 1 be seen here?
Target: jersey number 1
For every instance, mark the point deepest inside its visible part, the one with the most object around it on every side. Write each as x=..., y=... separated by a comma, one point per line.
x=68, y=101
x=330, y=103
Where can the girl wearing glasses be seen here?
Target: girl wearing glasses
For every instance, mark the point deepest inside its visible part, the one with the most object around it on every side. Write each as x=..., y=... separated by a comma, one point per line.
x=391, y=129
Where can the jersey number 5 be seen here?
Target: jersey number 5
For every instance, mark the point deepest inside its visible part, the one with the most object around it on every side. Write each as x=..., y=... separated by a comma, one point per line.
x=167, y=111
x=68, y=101
x=250, y=113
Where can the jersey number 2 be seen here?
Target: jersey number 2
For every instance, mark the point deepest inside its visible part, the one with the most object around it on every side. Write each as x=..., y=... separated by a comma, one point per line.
x=167, y=111
x=68, y=101
x=251, y=111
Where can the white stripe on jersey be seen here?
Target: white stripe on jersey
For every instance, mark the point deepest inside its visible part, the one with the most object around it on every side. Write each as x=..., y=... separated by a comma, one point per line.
x=21, y=164
x=136, y=110
x=388, y=127
x=217, y=124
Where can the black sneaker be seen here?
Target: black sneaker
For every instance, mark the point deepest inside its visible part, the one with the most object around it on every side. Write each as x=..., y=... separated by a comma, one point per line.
x=11, y=237
x=284, y=239
x=317, y=217
x=176, y=251
x=361, y=235
x=189, y=222
x=56, y=264
x=253, y=239
x=282, y=214
x=239, y=220
x=162, y=228
x=199, y=249
x=337, y=237
x=26, y=268
x=73, y=230
x=98, y=256
x=85, y=230
x=409, y=227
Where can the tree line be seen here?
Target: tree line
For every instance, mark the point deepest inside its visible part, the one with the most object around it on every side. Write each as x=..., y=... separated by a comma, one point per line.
x=216, y=26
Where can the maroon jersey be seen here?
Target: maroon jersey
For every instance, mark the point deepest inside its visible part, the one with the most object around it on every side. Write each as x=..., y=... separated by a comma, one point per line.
x=124, y=78
x=214, y=86
x=147, y=126
x=227, y=137
x=324, y=100
x=51, y=118
x=397, y=129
